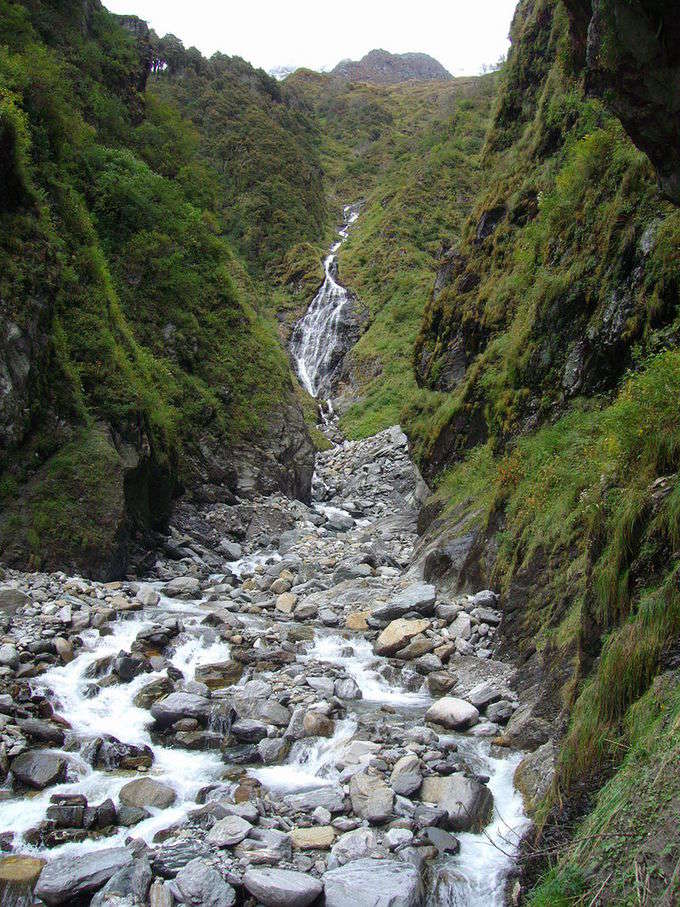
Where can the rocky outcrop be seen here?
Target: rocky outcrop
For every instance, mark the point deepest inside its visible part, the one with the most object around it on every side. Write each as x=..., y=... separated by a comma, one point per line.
x=631, y=50
x=383, y=68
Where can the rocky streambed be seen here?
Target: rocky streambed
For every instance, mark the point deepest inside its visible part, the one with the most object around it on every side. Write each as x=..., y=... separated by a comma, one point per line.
x=283, y=713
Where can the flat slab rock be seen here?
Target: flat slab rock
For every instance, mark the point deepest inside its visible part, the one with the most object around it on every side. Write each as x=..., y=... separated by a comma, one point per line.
x=39, y=768
x=70, y=876
x=282, y=887
x=373, y=883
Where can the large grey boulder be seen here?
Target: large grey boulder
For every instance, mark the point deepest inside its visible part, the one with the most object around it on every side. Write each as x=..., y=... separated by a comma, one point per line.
x=468, y=803
x=229, y=831
x=39, y=768
x=371, y=798
x=282, y=887
x=453, y=713
x=145, y=792
x=200, y=885
x=373, y=883
x=186, y=587
x=130, y=884
x=180, y=705
x=353, y=845
x=12, y=599
x=418, y=598
x=66, y=878
x=268, y=710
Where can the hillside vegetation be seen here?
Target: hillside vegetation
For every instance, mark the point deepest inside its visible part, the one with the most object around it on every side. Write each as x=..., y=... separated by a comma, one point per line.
x=135, y=345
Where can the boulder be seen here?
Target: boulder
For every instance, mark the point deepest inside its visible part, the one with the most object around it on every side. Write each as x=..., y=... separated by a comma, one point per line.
x=199, y=884
x=347, y=688
x=249, y=730
x=39, y=768
x=418, y=598
x=217, y=676
x=468, y=803
x=9, y=657
x=371, y=798
x=453, y=713
x=330, y=797
x=129, y=884
x=152, y=692
x=282, y=887
x=229, y=831
x=180, y=705
x=397, y=634
x=373, y=883
x=147, y=596
x=265, y=845
x=145, y=792
x=187, y=587
x=315, y=724
x=12, y=599
x=406, y=775
x=285, y=603
x=69, y=877
x=353, y=845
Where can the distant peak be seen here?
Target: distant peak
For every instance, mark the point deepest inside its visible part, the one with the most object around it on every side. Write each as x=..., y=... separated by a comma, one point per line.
x=383, y=68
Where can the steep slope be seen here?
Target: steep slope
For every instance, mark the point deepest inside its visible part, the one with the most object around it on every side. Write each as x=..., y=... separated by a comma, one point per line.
x=379, y=67
x=261, y=149
x=136, y=357
x=549, y=367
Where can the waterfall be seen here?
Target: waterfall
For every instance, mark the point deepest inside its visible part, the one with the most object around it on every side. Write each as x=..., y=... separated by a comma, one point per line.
x=316, y=343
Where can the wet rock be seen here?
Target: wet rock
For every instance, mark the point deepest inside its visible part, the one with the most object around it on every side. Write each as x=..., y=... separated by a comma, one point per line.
x=9, y=657
x=406, y=775
x=145, y=792
x=268, y=710
x=373, y=883
x=442, y=840
x=160, y=895
x=229, y=831
x=317, y=725
x=500, y=712
x=453, y=713
x=152, y=692
x=176, y=706
x=44, y=731
x=200, y=885
x=397, y=634
x=468, y=803
x=127, y=667
x=371, y=798
x=282, y=887
x=272, y=750
x=73, y=875
x=39, y=768
x=110, y=754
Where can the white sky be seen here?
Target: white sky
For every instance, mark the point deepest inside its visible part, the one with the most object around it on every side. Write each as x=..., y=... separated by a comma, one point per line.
x=461, y=34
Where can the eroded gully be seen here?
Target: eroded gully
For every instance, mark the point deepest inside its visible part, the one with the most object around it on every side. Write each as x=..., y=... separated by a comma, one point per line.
x=309, y=721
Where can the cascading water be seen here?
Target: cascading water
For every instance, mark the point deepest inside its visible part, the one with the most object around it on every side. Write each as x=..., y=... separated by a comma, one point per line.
x=316, y=344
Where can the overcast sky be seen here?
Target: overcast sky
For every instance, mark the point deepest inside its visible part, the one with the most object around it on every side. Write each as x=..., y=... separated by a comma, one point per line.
x=461, y=34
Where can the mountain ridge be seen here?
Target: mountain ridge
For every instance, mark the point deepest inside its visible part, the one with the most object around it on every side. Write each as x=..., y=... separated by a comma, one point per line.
x=380, y=67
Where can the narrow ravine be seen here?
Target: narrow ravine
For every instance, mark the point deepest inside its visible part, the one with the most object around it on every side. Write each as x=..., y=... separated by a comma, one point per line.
x=309, y=722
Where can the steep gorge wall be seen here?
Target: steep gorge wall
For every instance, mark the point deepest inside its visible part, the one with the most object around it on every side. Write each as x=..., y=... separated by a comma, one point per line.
x=137, y=361
x=548, y=360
